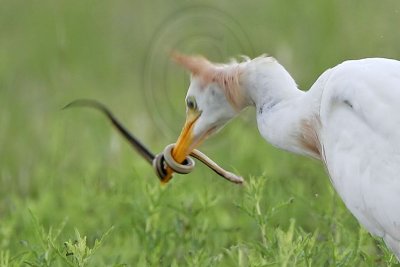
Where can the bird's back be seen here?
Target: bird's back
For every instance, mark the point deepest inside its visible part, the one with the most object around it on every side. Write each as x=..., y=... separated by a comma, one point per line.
x=360, y=136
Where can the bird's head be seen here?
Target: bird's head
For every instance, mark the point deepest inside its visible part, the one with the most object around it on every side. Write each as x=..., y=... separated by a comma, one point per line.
x=213, y=98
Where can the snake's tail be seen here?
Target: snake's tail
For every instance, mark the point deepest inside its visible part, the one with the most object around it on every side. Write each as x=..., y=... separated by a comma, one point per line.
x=135, y=143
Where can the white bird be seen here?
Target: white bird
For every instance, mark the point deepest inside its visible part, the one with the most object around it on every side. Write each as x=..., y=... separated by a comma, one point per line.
x=349, y=119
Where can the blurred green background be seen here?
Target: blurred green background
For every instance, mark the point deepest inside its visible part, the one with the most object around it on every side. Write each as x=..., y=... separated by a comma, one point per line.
x=70, y=168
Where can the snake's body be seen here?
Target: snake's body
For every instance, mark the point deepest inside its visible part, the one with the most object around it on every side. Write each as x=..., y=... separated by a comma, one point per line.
x=161, y=161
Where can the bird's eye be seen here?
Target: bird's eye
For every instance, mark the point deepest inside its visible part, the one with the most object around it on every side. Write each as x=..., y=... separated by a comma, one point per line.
x=191, y=103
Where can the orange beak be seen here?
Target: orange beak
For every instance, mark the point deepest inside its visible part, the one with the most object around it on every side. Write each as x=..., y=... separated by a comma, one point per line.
x=185, y=143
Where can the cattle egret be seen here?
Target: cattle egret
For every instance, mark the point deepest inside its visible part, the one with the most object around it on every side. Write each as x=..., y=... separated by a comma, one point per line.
x=349, y=119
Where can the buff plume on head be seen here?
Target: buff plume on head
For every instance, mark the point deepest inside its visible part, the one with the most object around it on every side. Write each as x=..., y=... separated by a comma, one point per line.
x=227, y=76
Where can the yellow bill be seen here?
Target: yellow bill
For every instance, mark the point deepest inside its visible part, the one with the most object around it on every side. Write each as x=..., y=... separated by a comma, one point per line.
x=185, y=143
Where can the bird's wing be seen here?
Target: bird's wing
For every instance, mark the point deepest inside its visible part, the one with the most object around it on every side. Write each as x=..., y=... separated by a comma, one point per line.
x=360, y=135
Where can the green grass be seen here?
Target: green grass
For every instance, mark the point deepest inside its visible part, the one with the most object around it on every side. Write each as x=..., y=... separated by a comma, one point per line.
x=72, y=193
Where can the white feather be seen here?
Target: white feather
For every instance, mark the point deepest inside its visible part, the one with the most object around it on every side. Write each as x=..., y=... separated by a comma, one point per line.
x=360, y=116
x=350, y=119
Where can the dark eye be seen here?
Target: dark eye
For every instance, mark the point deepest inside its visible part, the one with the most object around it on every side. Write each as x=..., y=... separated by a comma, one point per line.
x=191, y=103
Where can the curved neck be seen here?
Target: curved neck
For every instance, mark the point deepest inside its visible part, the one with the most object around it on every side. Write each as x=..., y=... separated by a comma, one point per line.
x=266, y=83
x=286, y=116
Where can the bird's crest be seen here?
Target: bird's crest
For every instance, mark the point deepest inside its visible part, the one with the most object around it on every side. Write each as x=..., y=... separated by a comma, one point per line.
x=196, y=65
x=227, y=76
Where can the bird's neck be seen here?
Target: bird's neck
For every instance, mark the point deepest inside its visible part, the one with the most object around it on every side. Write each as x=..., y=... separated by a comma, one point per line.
x=286, y=116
